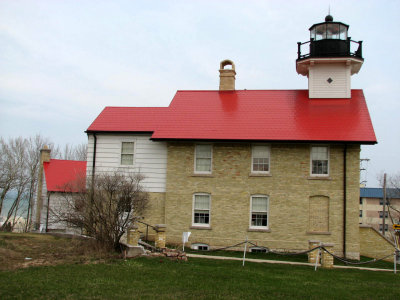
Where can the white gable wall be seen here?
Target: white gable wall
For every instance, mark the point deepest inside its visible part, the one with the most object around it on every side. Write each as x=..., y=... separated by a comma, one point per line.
x=318, y=84
x=150, y=158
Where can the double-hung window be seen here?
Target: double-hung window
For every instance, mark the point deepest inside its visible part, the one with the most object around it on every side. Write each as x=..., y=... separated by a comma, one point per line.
x=127, y=152
x=319, y=161
x=259, y=211
x=201, y=210
x=260, y=159
x=381, y=214
x=203, y=159
x=381, y=201
x=381, y=227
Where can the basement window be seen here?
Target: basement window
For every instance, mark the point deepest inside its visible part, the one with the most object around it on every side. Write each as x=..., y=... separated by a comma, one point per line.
x=200, y=247
x=258, y=250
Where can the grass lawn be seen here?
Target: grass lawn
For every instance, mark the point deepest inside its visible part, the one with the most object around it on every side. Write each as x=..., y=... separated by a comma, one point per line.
x=195, y=279
x=148, y=278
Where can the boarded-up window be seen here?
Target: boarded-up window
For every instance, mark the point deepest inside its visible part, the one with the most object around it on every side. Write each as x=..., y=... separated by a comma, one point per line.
x=318, y=214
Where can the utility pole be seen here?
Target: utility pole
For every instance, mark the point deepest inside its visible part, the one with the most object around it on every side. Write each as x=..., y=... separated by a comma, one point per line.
x=384, y=204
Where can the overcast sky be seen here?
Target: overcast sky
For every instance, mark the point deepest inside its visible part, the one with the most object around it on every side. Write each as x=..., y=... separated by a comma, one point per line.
x=62, y=62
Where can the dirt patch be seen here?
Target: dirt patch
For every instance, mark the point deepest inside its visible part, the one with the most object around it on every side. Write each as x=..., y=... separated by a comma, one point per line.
x=25, y=250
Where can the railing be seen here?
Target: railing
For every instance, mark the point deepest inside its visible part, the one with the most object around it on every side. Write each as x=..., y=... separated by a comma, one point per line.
x=330, y=48
x=147, y=228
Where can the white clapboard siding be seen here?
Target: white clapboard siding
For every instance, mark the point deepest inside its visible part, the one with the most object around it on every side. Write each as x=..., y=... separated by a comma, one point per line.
x=340, y=86
x=58, y=205
x=150, y=158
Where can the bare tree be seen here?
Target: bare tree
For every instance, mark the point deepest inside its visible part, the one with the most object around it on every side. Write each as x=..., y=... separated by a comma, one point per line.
x=105, y=206
x=393, y=191
x=13, y=174
x=19, y=164
x=78, y=152
x=393, y=208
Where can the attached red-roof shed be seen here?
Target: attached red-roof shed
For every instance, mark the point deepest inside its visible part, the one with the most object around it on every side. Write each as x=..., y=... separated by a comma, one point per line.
x=65, y=175
x=251, y=115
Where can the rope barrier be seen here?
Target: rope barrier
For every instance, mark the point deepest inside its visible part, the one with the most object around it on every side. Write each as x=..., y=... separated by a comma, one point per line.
x=268, y=250
x=355, y=263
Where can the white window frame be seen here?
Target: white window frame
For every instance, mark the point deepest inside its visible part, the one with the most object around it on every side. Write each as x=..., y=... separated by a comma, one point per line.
x=195, y=159
x=134, y=153
x=209, y=211
x=269, y=158
x=311, y=161
x=251, y=212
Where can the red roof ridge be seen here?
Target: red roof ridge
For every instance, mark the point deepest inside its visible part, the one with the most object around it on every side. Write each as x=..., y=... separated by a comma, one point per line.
x=52, y=159
x=149, y=107
x=251, y=90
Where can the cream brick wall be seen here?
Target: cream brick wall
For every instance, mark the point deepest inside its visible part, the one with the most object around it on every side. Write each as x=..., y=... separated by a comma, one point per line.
x=373, y=244
x=154, y=214
x=289, y=188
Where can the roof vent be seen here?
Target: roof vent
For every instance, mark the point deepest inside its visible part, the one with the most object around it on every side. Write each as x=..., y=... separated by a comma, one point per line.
x=227, y=75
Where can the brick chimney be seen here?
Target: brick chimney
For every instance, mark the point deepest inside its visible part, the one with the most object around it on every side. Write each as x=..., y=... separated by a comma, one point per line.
x=227, y=75
x=44, y=157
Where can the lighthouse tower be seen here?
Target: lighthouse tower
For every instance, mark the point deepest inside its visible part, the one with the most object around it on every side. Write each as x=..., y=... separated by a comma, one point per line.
x=331, y=60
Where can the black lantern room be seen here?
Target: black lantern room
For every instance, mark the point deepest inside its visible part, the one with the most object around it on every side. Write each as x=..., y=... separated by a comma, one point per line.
x=330, y=39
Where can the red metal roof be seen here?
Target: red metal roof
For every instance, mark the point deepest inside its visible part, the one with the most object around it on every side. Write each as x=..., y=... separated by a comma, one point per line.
x=257, y=115
x=65, y=175
x=129, y=119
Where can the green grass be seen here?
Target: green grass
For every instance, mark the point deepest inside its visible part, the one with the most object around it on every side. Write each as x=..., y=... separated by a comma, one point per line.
x=63, y=268
x=198, y=278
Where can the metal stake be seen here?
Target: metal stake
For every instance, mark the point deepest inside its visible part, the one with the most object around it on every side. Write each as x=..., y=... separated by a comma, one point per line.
x=244, y=252
x=316, y=261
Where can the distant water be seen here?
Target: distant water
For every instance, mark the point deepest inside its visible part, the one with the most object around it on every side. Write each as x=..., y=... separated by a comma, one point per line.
x=8, y=201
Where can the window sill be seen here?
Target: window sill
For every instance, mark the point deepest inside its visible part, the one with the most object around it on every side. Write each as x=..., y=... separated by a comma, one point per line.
x=200, y=227
x=319, y=232
x=319, y=178
x=202, y=175
x=260, y=175
x=258, y=230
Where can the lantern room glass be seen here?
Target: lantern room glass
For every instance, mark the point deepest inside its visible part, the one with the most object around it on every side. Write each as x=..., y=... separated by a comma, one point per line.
x=328, y=30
